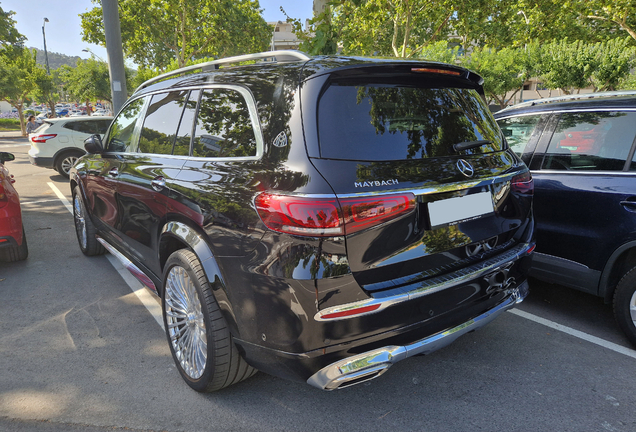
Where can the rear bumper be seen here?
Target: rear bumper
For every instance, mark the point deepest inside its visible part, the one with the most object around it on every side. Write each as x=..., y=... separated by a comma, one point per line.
x=371, y=364
x=44, y=162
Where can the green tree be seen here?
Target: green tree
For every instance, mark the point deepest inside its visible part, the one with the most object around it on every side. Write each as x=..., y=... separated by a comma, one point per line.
x=504, y=71
x=401, y=28
x=11, y=41
x=613, y=61
x=156, y=31
x=618, y=13
x=440, y=51
x=566, y=65
x=17, y=79
x=89, y=80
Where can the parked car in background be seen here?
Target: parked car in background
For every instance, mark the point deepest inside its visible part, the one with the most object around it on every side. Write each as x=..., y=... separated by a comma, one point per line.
x=580, y=150
x=315, y=218
x=13, y=243
x=59, y=142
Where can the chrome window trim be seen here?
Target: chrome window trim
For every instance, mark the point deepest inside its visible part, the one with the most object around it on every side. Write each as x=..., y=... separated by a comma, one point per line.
x=251, y=106
x=587, y=173
x=561, y=111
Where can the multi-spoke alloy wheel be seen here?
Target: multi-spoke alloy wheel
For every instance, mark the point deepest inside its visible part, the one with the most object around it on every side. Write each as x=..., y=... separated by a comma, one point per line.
x=185, y=323
x=80, y=221
x=200, y=341
x=84, y=227
x=65, y=162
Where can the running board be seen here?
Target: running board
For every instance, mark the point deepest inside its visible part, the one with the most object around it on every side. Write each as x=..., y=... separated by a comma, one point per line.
x=133, y=269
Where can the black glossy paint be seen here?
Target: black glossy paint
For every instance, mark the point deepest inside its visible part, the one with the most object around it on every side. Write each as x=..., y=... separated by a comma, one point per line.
x=270, y=285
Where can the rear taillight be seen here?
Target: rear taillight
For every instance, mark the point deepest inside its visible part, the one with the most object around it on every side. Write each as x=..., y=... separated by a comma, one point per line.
x=361, y=213
x=42, y=138
x=523, y=183
x=328, y=217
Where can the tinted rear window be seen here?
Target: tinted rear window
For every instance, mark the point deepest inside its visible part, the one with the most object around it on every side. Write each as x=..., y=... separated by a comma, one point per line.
x=389, y=122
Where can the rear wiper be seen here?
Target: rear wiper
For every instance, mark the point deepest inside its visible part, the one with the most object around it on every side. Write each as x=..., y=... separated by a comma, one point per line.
x=470, y=144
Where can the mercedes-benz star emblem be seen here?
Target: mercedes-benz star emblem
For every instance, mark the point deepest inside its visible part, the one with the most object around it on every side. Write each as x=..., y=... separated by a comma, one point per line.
x=465, y=168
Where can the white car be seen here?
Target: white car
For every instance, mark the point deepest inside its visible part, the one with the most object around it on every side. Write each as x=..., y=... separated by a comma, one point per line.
x=59, y=142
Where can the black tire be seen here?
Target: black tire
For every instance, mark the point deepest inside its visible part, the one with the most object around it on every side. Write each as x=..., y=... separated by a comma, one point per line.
x=65, y=161
x=15, y=253
x=198, y=335
x=84, y=227
x=625, y=304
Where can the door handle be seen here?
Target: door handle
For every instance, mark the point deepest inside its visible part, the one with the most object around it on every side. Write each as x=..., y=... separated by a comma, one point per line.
x=158, y=183
x=114, y=172
x=629, y=205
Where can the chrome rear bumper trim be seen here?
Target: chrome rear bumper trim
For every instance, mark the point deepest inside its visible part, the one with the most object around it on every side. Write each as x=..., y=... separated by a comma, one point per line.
x=369, y=365
x=430, y=286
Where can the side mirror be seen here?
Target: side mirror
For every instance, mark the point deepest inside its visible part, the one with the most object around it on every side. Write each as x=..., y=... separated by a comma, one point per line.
x=6, y=157
x=93, y=144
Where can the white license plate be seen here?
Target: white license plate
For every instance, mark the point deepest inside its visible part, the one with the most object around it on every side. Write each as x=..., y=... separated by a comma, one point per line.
x=460, y=209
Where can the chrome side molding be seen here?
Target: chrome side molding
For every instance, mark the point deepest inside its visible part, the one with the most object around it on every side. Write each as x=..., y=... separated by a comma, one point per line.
x=133, y=269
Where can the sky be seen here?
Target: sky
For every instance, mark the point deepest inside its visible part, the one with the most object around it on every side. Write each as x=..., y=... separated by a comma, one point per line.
x=64, y=26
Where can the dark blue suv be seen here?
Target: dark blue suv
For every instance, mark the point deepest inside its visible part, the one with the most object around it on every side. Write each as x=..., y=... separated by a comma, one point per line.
x=580, y=150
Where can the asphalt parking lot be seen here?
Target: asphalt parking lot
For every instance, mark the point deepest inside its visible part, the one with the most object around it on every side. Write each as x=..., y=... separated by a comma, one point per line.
x=81, y=350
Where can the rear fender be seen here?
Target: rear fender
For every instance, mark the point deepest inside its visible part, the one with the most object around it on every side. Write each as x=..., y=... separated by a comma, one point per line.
x=196, y=242
x=620, y=262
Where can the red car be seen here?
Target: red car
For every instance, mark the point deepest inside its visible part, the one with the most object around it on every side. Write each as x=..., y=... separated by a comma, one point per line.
x=13, y=244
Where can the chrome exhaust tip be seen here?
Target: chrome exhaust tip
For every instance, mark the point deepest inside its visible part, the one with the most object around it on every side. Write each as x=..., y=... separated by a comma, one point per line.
x=371, y=364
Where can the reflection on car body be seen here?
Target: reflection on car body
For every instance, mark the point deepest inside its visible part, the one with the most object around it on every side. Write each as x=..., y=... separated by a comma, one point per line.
x=302, y=216
x=581, y=153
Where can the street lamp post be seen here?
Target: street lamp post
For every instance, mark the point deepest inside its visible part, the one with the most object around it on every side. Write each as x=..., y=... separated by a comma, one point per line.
x=46, y=56
x=93, y=54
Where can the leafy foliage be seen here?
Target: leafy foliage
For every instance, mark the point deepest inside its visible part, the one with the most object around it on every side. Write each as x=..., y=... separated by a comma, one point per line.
x=154, y=32
x=17, y=79
x=503, y=70
x=10, y=39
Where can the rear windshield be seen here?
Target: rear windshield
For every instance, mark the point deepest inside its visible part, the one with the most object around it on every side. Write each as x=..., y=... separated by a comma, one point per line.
x=376, y=122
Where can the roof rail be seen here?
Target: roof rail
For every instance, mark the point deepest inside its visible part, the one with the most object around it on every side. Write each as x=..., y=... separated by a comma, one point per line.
x=279, y=56
x=566, y=98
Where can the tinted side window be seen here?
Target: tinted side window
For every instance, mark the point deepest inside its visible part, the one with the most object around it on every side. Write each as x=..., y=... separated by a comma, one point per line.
x=224, y=127
x=182, y=143
x=518, y=131
x=121, y=137
x=89, y=126
x=101, y=126
x=161, y=122
x=591, y=141
x=83, y=127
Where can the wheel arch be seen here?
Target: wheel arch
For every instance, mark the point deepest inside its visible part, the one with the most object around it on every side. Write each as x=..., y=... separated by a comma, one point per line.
x=620, y=262
x=178, y=235
x=67, y=150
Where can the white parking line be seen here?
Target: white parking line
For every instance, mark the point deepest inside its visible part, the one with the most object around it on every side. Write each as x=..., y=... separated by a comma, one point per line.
x=61, y=196
x=576, y=333
x=150, y=302
x=145, y=297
